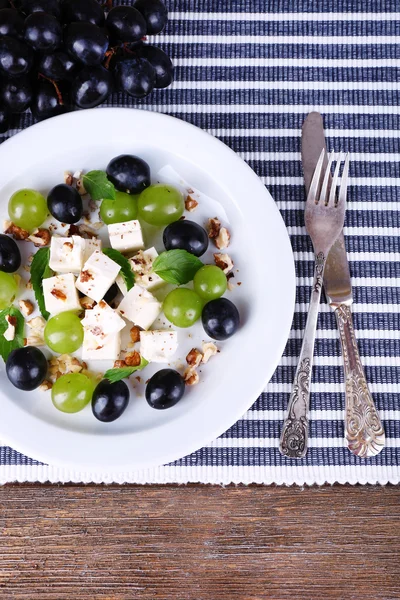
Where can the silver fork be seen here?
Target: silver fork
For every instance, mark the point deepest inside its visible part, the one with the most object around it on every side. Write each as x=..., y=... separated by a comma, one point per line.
x=324, y=217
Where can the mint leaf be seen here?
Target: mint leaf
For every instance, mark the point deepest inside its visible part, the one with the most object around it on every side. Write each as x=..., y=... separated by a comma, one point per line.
x=126, y=271
x=177, y=266
x=18, y=342
x=40, y=270
x=98, y=186
x=114, y=375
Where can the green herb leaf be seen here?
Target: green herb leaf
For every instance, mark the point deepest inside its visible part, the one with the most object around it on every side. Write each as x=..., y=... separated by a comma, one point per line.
x=98, y=186
x=18, y=342
x=126, y=271
x=114, y=375
x=40, y=270
x=177, y=266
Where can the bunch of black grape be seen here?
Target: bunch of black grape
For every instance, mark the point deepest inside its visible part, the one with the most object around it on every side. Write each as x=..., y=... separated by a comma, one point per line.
x=61, y=55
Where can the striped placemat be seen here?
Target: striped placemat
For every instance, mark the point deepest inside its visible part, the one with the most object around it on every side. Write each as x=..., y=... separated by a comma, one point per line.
x=249, y=72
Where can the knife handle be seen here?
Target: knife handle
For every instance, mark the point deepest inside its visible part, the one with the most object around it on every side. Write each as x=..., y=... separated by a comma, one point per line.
x=363, y=428
x=294, y=436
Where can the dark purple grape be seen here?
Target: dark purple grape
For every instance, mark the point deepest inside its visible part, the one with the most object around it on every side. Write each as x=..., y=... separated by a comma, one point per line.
x=186, y=235
x=165, y=389
x=220, y=319
x=58, y=66
x=10, y=256
x=65, y=204
x=4, y=119
x=155, y=14
x=11, y=22
x=82, y=10
x=110, y=400
x=126, y=24
x=86, y=42
x=111, y=293
x=43, y=32
x=16, y=94
x=135, y=76
x=91, y=87
x=26, y=368
x=160, y=62
x=129, y=173
x=46, y=102
x=15, y=57
x=51, y=7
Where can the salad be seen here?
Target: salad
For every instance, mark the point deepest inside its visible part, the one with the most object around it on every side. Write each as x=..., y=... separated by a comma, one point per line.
x=102, y=300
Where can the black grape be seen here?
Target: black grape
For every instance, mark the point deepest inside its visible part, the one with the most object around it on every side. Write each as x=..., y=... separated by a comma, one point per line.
x=4, y=119
x=86, y=42
x=15, y=57
x=42, y=31
x=126, y=24
x=46, y=102
x=11, y=22
x=155, y=14
x=91, y=87
x=135, y=76
x=58, y=66
x=52, y=7
x=16, y=94
x=82, y=10
x=161, y=63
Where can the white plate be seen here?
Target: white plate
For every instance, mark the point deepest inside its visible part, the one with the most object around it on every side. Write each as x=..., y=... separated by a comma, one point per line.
x=231, y=381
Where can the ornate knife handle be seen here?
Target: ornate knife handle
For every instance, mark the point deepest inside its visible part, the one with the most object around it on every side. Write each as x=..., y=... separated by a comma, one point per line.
x=363, y=428
x=294, y=436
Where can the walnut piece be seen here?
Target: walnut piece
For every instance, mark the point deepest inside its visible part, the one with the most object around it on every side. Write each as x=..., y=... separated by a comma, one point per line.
x=58, y=294
x=191, y=204
x=191, y=376
x=86, y=231
x=135, y=334
x=68, y=178
x=209, y=350
x=87, y=303
x=86, y=276
x=36, y=332
x=132, y=359
x=60, y=365
x=40, y=237
x=9, y=333
x=45, y=386
x=224, y=262
x=119, y=364
x=222, y=239
x=214, y=226
x=194, y=357
x=15, y=231
x=26, y=307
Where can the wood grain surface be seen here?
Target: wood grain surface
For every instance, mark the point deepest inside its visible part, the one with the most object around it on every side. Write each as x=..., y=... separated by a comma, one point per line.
x=199, y=542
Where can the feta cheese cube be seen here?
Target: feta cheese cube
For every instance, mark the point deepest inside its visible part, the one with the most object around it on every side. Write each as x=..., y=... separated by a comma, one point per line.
x=140, y=307
x=66, y=254
x=106, y=348
x=142, y=264
x=103, y=318
x=90, y=246
x=97, y=275
x=60, y=294
x=126, y=237
x=158, y=346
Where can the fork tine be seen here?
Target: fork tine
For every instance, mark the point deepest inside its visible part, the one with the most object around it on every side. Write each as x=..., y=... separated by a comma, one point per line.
x=324, y=188
x=312, y=192
x=332, y=194
x=345, y=181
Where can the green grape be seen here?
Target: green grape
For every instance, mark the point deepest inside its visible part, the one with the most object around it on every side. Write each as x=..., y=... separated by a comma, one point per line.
x=161, y=204
x=8, y=289
x=64, y=333
x=27, y=209
x=182, y=307
x=210, y=282
x=72, y=392
x=123, y=208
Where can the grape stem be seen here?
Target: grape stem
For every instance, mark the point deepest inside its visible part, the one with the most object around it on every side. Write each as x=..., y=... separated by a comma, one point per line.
x=108, y=56
x=57, y=89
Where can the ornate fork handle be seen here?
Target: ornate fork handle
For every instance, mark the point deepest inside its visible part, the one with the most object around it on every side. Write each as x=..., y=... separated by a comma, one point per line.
x=363, y=428
x=294, y=436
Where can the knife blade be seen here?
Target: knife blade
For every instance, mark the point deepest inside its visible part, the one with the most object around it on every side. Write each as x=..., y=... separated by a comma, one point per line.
x=337, y=283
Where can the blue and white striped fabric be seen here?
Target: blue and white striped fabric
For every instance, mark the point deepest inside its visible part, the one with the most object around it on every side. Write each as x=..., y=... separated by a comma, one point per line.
x=249, y=71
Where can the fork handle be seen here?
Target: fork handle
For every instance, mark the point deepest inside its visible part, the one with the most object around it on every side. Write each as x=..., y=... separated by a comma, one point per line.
x=363, y=428
x=294, y=436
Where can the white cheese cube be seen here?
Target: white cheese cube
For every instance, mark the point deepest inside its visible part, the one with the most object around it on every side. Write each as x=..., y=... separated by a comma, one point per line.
x=106, y=348
x=90, y=246
x=158, y=346
x=97, y=276
x=60, y=294
x=103, y=318
x=142, y=264
x=126, y=237
x=66, y=254
x=140, y=307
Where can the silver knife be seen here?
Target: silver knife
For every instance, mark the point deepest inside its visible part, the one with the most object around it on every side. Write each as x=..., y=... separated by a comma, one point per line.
x=364, y=433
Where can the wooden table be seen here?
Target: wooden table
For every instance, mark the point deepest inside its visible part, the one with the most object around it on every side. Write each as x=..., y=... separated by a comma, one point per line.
x=199, y=542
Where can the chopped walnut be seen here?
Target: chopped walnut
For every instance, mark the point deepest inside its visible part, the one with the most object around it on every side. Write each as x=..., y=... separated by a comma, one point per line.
x=60, y=365
x=132, y=359
x=194, y=357
x=214, y=226
x=119, y=364
x=45, y=386
x=223, y=238
x=87, y=303
x=40, y=237
x=28, y=285
x=73, y=230
x=68, y=178
x=68, y=246
x=80, y=188
x=15, y=231
x=135, y=334
x=26, y=307
x=36, y=331
x=86, y=231
x=224, y=262
x=191, y=204
x=209, y=350
x=191, y=376
x=9, y=333
x=58, y=294
x=85, y=276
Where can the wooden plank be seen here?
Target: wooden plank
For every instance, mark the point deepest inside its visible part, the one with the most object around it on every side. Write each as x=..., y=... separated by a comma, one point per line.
x=199, y=542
